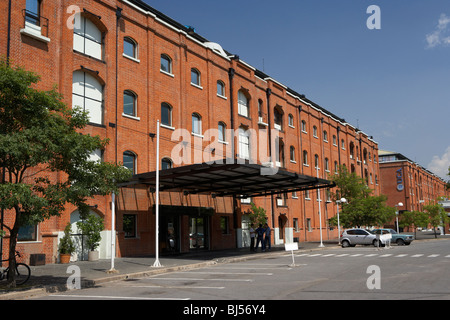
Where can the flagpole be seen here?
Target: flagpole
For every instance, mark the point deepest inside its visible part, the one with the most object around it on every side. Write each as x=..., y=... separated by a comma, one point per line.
x=157, y=264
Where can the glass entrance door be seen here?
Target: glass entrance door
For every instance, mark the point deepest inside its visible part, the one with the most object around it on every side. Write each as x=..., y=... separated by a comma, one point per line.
x=198, y=233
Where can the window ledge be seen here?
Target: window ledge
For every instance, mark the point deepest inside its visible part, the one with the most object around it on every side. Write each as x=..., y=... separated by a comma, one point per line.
x=198, y=135
x=34, y=34
x=167, y=73
x=223, y=97
x=166, y=126
x=197, y=86
x=131, y=58
x=130, y=116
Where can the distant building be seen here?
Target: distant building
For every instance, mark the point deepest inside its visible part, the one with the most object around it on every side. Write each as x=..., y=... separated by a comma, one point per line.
x=403, y=180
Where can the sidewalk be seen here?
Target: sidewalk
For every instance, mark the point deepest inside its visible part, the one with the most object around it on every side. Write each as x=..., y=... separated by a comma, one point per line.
x=53, y=277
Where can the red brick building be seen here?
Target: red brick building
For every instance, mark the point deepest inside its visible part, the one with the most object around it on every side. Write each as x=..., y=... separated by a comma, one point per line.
x=130, y=65
x=405, y=181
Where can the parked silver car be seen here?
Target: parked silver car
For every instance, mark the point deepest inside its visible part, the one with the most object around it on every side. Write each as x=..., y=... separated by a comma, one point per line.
x=352, y=237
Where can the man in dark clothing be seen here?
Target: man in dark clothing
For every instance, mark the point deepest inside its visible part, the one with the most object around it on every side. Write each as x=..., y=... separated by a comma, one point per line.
x=260, y=238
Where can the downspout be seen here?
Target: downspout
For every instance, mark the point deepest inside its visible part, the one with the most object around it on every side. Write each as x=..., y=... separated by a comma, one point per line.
x=8, y=42
x=231, y=73
x=118, y=16
x=301, y=165
x=268, y=94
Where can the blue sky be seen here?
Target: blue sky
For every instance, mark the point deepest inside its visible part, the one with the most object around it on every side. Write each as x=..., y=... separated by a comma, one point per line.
x=394, y=82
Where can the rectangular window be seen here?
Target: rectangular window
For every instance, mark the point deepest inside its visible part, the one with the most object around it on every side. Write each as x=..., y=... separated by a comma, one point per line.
x=129, y=225
x=27, y=233
x=296, y=227
x=308, y=224
x=224, y=225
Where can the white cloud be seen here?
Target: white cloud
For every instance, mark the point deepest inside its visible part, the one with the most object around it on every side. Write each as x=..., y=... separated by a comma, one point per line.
x=440, y=165
x=440, y=36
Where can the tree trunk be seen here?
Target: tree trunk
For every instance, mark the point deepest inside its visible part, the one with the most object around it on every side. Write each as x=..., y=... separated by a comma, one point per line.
x=12, y=252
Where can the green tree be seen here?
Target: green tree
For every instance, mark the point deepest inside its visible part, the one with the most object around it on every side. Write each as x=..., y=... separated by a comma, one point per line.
x=258, y=215
x=413, y=218
x=436, y=215
x=43, y=155
x=362, y=209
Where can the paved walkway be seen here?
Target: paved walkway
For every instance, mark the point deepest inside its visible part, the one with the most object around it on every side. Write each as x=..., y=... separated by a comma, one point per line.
x=53, y=277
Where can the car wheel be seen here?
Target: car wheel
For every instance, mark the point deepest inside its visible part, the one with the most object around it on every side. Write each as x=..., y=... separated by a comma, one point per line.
x=400, y=242
x=345, y=244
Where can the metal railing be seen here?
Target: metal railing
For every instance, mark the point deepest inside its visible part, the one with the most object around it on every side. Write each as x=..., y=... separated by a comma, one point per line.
x=33, y=19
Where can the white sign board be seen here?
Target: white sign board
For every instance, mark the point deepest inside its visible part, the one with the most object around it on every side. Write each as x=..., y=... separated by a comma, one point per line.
x=291, y=246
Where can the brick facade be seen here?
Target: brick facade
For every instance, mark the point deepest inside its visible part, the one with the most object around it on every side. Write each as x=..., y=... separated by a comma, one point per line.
x=405, y=181
x=305, y=126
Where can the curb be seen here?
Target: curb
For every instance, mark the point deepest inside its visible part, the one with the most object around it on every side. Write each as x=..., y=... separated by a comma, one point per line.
x=89, y=283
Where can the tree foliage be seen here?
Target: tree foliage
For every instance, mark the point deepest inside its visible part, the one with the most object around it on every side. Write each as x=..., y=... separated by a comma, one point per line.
x=44, y=157
x=362, y=208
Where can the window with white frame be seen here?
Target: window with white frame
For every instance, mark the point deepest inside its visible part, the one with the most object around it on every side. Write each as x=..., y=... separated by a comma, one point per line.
x=166, y=64
x=196, y=123
x=87, y=93
x=130, y=48
x=244, y=143
x=220, y=88
x=129, y=161
x=222, y=131
x=129, y=103
x=195, y=77
x=242, y=104
x=166, y=114
x=87, y=38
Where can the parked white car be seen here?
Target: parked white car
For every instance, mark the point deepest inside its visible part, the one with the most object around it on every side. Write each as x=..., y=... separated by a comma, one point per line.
x=352, y=237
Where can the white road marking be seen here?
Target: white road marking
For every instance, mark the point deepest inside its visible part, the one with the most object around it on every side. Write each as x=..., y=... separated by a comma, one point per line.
x=113, y=297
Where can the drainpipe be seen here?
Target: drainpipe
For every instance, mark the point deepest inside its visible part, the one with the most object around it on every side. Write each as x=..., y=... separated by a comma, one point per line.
x=268, y=94
x=8, y=42
x=118, y=16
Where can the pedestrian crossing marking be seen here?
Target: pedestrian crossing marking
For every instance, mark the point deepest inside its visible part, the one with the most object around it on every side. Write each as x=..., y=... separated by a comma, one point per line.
x=433, y=255
x=416, y=255
x=386, y=255
x=401, y=255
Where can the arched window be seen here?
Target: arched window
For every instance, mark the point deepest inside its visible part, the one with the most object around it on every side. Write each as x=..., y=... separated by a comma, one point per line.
x=316, y=161
x=166, y=64
x=130, y=48
x=278, y=118
x=222, y=131
x=291, y=120
x=195, y=77
x=220, y=88
x=325, y=136
x=305, y=157
x=196, y=123
x=33, y=12
x=304, y=126
x=242, y=104
x=166, y=163
x=87, y=38
x=129, y=103
x=129, y=161
x=166, y=114
x=292, y=153
x=315, y=132
x=87, y=93
x=244, y=143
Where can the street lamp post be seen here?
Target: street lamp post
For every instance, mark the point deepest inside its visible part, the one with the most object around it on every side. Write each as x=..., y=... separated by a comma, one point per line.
x=342, y=200
x=400, y=204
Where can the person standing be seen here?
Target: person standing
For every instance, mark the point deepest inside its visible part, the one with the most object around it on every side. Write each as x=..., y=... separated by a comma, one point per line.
x=252, y=238
x=267, y=232
x=260, y=238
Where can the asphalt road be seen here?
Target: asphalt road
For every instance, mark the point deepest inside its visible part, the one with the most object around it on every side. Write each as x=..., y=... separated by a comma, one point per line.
x=419, y=271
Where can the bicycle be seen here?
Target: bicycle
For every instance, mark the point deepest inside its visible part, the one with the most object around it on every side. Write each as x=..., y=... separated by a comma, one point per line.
x=23, y=271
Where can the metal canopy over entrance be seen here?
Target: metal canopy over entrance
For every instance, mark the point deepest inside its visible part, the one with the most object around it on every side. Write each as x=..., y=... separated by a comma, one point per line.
x=220, y=180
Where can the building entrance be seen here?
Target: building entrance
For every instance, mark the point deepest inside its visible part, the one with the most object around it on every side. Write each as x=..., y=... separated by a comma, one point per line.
x=198, y=233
